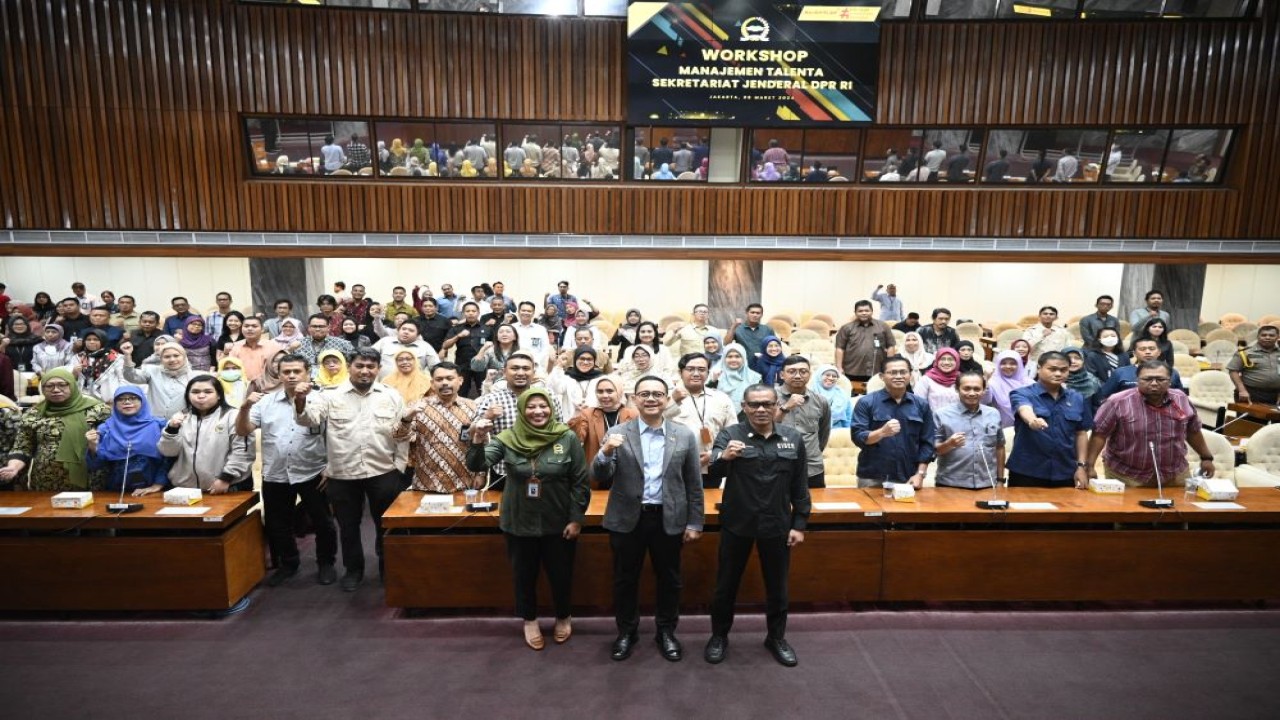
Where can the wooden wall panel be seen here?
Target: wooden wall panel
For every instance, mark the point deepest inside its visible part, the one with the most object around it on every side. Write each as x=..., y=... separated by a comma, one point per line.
x=123, y=114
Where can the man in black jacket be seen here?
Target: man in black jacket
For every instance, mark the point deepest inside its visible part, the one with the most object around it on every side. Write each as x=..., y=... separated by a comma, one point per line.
x=765, y=504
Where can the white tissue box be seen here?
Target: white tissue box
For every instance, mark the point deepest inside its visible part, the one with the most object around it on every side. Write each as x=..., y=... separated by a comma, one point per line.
x=904, y=492
x=183, y=496
x=72, y=500
x=435, y=504
x=1106, y=486
x=1216, y=489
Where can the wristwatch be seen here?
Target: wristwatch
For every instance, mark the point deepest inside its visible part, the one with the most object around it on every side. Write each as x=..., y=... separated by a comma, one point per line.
x=1080, y=465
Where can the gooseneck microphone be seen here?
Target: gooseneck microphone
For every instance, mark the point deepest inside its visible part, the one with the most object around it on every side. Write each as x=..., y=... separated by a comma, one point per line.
x=1161, y=502
x=995, y=503
x=121, y=507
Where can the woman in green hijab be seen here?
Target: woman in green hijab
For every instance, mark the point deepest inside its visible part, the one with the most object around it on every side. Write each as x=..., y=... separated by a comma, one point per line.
x=51, y=437
x=543, y=503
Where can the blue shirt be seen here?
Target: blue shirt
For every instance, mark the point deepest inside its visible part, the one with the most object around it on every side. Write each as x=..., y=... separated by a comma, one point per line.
x=1048, y=454
x=653, y=443
x=179, y=322
x=450, y=307
x=890, y=306
x=1125, y=377
x=560, y=302
x=894, y=458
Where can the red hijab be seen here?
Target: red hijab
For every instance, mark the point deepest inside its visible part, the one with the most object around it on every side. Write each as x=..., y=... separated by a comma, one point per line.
x=944, y=378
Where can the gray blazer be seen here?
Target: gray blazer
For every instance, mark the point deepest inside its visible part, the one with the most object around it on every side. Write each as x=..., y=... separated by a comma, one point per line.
x=623, y=474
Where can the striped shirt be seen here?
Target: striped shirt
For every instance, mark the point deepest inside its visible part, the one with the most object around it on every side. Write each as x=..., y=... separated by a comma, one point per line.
x=1129, y=422
x=436, y=450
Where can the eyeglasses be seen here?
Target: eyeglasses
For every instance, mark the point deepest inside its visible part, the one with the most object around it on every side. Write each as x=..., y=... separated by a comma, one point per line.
x=128, y=400
x=897, y=373
x=1153, y=380
x=651, y=395
x=799, y=371
x=57, y=386
x=696, y=370
x=761, y=405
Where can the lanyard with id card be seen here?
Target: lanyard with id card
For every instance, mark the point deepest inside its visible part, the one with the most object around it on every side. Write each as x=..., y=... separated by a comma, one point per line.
x=533, y=486
x=702, y=418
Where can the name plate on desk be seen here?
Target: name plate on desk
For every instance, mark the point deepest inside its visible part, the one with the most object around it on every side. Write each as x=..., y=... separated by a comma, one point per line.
x=13, y=510
x=451, y=510
x=1218, y=505
x=836, y=506
x=1032, y=506
x=182, y=510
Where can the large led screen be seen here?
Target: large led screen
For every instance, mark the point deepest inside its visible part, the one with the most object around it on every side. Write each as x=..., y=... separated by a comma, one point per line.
x=753, y=63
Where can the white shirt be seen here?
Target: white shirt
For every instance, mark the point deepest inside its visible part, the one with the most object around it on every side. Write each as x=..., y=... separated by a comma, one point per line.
x=535, y=341
x=291, y=453
x=391, y=346
x=358, y=429
x=712, y=409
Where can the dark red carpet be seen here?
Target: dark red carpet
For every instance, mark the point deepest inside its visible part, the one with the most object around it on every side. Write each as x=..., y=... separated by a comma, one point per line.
x=304, y=651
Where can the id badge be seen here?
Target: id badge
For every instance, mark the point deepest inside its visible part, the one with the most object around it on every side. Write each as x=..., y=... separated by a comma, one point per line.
x=533, y=490
x=706, y=435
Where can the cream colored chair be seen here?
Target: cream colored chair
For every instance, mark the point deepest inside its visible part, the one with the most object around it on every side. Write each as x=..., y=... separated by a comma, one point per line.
x=970, y=331
x=1186, y=365
x=875, y=383
x=1246, y=331
x=1187, y=337
x=841, y=460
x=365, y=171
x=1207, y=327
x=898, y=338
x=781, y=328
x=1224, y=456
x=1180, y=348
x=340, y=172
x=665, y=323
x=1211, y=391
x=1262, y=468
x=1007, y=338
x=1269, y=320
x=398, y=171
x=1218, y=352
x=824, y=318
x=1230, y=320
x=1027, y=321
x=804, y=336
x=1126, y=328
x=1001, y=327
x=817, y=326
x=1220, y=334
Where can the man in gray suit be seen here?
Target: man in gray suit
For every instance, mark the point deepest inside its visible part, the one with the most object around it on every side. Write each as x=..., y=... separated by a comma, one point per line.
x=654, y=476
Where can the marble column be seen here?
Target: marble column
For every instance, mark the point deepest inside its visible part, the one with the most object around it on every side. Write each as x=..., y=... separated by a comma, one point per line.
x=1183, y=290
x=1181, y=285
x=731, y=286
x=1135, y=281
x=297, y=279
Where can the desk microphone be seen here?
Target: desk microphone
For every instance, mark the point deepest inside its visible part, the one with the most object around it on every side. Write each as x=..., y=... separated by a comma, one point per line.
x=1161, y=502
x=995, y=503
x=121, y=507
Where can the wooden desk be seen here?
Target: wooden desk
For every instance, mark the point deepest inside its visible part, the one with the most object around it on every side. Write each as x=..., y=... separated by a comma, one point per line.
x=444, y=560
x=1261, y=412
x=941, y=547
x=1091, y=547
x=91, y=559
